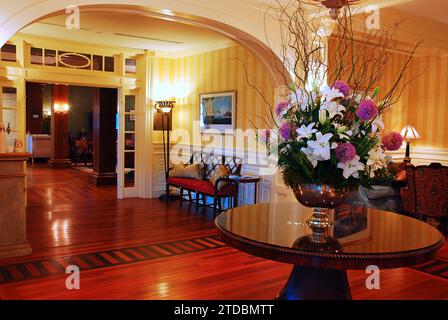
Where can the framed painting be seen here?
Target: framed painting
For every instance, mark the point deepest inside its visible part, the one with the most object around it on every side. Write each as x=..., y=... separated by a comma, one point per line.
x=217, y=111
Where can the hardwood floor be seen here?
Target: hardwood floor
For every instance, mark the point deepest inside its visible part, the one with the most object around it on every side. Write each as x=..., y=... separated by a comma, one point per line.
x=147, y=249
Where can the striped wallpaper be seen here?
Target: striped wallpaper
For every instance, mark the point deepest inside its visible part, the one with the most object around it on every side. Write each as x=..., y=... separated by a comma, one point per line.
x=423, y=103
x=209, y=72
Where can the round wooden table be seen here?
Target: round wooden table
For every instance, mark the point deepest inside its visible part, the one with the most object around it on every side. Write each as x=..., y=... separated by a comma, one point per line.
x=360, y=237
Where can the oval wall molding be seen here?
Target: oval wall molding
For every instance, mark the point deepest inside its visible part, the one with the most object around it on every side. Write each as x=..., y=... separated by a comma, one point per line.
x=67, y=55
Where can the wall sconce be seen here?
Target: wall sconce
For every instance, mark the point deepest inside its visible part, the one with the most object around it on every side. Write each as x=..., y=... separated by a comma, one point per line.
x=61, y=108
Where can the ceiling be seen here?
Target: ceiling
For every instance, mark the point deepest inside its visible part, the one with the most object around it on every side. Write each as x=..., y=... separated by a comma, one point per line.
x=436, y=10
x=176, y=39
x=130, y=31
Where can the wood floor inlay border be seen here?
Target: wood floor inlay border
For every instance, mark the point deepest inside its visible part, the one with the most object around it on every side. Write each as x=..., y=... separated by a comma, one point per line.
x=435, y=267
x=110, y=258
x=29, y=270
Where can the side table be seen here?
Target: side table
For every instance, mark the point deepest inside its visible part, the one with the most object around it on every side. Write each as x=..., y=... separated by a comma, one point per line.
x=237, y=180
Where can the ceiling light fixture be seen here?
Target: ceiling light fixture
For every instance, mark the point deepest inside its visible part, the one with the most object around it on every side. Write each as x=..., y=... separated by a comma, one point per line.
x=336, y=5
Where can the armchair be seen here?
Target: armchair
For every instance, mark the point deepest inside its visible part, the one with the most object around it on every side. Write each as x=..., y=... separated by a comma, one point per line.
x=39, y=145
x=426, y=194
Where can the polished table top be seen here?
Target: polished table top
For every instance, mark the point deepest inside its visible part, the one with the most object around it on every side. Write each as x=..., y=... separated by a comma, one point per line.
x=367, y=236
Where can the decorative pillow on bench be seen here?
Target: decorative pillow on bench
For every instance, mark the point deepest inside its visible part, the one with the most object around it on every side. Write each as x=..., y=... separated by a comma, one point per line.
x=191, y=171
x=221, y=172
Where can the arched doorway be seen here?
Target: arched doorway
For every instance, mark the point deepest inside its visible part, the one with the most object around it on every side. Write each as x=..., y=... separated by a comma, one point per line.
x=247, y=25
x=254, y=44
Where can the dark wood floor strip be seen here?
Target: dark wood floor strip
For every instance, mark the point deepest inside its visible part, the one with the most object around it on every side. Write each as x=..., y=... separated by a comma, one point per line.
x=6, y=275
x=57, y=265
x=24, y=271
x=441, y=271
x=435, y=267
x=40, y=267
x=95, y=260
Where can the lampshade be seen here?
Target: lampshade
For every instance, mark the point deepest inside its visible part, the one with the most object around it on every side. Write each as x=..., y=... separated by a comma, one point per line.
x=165, y=106
x=409, y=133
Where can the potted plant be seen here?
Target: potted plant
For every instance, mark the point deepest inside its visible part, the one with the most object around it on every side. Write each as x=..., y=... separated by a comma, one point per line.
x=326, y=135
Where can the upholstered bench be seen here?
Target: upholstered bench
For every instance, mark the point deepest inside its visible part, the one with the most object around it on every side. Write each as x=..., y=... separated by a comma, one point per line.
x=206, y=185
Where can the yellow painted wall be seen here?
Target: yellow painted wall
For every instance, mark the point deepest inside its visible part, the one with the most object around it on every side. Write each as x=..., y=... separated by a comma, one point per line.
x=209, y=72
x=423, y=103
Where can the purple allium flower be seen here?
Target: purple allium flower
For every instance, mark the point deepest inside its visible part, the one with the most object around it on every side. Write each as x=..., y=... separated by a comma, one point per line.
x=343, y=87
x=392, y=141
x=286, y=131
x=345, y=152
x=281, y=107
x=265, y=136
x=367, y=110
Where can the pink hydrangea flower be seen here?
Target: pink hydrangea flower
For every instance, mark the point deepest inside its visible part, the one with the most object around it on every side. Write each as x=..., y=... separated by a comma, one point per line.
x=343, y=87
x=392, y=141
x=286, y=131
x=345, y=152
x=367, y=110
x=281, y=108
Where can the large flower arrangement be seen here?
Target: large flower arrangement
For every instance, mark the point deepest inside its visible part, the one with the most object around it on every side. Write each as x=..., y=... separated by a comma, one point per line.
x=331, y=136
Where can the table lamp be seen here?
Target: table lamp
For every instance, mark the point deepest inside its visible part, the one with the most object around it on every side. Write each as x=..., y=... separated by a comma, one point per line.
x=409, y=133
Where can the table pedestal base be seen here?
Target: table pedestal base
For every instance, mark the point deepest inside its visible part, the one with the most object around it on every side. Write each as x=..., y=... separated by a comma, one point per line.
x=306, y=283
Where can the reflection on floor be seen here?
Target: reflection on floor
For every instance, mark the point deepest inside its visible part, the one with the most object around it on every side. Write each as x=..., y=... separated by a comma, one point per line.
x=83, y=168
x=147, y=249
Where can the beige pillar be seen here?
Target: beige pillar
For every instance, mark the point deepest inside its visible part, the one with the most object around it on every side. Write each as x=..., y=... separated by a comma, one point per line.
x=13, y=241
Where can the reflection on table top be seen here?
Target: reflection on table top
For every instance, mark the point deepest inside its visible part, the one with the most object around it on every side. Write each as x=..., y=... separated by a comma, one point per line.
x=360, y=230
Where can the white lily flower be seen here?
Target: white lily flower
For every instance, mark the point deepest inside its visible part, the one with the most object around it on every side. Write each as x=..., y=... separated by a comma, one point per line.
x=351, y=168
x=333, y=108
x=377, y=160
x=310, y=156
x=299, y=98
x=305, y=132
x=346, y=135
x=321, y=146
x=377, y=124
x=322, y=116
x=331, y=93
x=355, y=130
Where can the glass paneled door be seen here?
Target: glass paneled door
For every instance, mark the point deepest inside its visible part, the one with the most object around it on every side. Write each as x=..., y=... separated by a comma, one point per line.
x=9, y=117
x=126, y=170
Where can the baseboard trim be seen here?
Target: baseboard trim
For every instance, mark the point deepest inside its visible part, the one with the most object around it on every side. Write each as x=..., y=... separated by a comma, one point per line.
x=103, y=179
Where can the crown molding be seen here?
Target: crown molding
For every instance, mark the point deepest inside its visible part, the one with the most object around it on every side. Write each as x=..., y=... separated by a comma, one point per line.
x=196, y=50
x=64, y=44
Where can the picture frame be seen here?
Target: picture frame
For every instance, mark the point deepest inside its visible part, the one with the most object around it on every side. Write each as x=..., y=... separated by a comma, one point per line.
x=217, y=112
